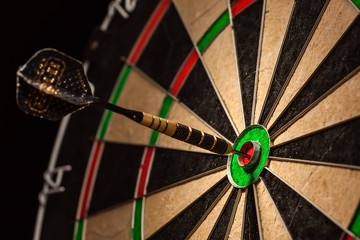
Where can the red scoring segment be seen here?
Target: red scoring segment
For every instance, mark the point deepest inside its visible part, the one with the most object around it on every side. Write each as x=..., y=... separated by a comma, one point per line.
x=240, y=6
x=184, y=72
x=148, y=31
x=97, y=149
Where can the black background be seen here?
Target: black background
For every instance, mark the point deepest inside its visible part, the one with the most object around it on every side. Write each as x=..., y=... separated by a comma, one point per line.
x=26, y=142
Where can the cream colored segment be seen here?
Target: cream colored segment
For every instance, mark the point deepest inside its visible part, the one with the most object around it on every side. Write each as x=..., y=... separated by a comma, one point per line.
x=272, y=225
x=340, y=105
x=110, y=224
x=163, y=206
x=337, y=17
x=277, y=15
x=237, y=226
x=141, y=95
x=332, y=189
x=221, y=62
x=207, y=225
x=199, y=15
x=182, y=115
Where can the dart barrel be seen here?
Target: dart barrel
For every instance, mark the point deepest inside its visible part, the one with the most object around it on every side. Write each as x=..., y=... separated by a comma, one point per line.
x=187, y=134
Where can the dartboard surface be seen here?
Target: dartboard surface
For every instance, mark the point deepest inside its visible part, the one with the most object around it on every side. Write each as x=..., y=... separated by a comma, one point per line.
x=284, y=71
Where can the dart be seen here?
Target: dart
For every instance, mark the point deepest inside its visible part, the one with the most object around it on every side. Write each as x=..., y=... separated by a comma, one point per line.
x=52, y=85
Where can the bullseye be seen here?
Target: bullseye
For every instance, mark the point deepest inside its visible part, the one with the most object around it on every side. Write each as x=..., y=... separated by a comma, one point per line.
x=252, y=150
x=244, y=169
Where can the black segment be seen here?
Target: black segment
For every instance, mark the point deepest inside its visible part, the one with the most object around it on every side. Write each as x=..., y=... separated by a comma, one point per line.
x=247, y=28
x=199, y=95
x=338, y=144
x=343, y=60
x=223, y=225
x=117, y=176
x=304, y=20
x=167, y=49
x=303, y=220
x=62, y=207
x=173, y=166
x=106, y=49
x=251, y=225
x=189, y=219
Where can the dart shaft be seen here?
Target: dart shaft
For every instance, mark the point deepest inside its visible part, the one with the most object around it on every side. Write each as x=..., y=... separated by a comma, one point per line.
x=187, y=134
x=173, y=129
x=162, y=125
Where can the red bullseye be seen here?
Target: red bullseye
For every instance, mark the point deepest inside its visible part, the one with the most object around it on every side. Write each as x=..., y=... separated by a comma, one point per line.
x=252, y=151
x=248, y=149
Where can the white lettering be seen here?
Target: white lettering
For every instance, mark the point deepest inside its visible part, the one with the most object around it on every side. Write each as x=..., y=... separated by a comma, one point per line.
x=116, y=6
x=53, y=179
x=130, y=5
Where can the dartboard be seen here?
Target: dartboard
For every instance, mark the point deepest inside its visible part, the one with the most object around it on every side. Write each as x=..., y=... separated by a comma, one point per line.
x=277, y=78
